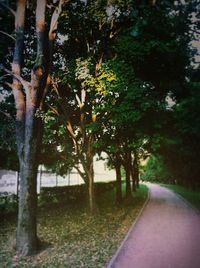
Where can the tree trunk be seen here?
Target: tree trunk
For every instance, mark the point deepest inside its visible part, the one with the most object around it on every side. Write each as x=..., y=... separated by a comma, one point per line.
x=26, y=228
x=133, y=175
x=136, y=169
x=119, y=184
x=28, y=130
x=91, y=190
x=133, y=179
x=128, y=182
x=88, y=177
x=29, y=97
x=90, y=174
x=128, y=175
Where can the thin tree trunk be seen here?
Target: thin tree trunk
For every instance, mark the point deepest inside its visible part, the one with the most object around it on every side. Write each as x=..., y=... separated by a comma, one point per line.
x=132, y=171
x=88, y=177
x=128, y=175
x=128, y=182
x=119, y=184
x=136, y=168
x=90, y=174
x=133, y=179
x=17, y=185
x=91, y=190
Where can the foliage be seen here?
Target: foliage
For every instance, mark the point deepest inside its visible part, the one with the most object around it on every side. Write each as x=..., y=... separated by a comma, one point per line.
x=8, y=150
x=179, y=146
x=192, y=196
x=8, y=204
x=156, y=170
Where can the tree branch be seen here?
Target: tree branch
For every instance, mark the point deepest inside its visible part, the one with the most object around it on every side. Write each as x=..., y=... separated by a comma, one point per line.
x=81, y=174
x=24, y=83
x=7, y=7
x=7, y=115
x=53, y=109
x=55, y=16
x=9, y=35
x=9, y=84
x=71, y=132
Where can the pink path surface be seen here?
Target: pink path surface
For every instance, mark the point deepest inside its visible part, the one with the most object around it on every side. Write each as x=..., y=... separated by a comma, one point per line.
x=166, y=235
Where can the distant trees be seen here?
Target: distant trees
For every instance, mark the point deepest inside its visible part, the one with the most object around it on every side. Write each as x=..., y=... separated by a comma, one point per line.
x=179, y=148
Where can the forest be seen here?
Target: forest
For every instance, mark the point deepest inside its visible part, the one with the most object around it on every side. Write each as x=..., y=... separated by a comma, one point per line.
x=83, y=77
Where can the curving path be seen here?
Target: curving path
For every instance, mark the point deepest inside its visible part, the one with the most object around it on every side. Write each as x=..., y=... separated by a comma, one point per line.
x=166, y=235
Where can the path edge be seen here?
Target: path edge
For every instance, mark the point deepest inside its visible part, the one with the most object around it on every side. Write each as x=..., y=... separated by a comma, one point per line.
x=111, y=262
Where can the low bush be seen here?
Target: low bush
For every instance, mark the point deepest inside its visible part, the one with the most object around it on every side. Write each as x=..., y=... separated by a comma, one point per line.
x=54, y=195
x=8, y=203
x=68, y=194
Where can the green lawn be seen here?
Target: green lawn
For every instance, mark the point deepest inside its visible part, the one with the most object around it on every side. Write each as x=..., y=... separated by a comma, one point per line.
x=73, y=238
x=192, y=197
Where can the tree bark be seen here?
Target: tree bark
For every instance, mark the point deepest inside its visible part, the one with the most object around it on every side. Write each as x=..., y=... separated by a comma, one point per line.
x=90, y=175
x=116, y=160
x=128, y=173
x=29, y=97
x=26, y=228
x=128, y=182
x=91, y=190
x=87, y=163
x=133, y=179
x=132, y=172
x=136, y=168
x=119, y=184
x=28, y=130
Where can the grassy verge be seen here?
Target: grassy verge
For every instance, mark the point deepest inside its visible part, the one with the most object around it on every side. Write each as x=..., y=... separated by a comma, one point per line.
x=73, y=238
x=192, y=197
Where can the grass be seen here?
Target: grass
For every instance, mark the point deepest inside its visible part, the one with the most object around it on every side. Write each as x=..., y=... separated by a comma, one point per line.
x=192, y=197
x=73, y=238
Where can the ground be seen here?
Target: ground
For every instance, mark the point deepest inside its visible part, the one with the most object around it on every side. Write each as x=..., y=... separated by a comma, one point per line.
x=73, y=238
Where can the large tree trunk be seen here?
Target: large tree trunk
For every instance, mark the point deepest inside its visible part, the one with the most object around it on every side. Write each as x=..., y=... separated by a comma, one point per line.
x=26, y=228
x=28, y=132
x=27, y=225
x=29, y=97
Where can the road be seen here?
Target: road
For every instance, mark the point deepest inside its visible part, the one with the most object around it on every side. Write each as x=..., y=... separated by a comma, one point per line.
x=166, y=235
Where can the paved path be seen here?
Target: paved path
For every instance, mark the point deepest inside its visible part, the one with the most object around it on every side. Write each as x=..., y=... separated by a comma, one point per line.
x=166, y=235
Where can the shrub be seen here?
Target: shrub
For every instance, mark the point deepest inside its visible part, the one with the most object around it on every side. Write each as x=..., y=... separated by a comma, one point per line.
x=8, y=203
